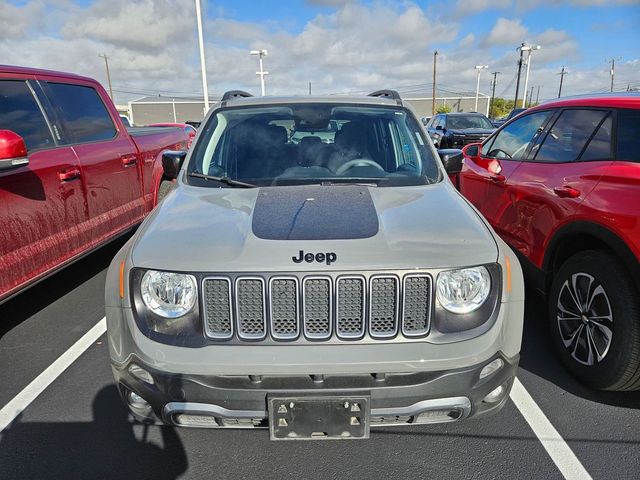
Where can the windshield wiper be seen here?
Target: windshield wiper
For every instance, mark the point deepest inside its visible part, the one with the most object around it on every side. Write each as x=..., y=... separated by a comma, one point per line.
x=226, y=180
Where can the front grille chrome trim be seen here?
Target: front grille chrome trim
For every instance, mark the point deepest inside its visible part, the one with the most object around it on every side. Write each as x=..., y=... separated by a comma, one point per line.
x=208, y=333
x=242, y=335
x=397, y=307
x=363, y=315
x=307, y=334
x=275, y=335
x=430, y=299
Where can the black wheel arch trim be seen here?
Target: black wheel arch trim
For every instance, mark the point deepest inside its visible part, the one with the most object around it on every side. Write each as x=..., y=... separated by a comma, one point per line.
x=616, y=244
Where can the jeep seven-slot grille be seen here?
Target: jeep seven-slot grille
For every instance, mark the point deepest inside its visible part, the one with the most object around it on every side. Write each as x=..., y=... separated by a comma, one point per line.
x=317, y=307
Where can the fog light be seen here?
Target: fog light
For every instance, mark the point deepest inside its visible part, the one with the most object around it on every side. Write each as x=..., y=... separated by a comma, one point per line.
x=190, y=420
x=136, y=401
x=491, y=368
x=141, y=374
x=495, y=395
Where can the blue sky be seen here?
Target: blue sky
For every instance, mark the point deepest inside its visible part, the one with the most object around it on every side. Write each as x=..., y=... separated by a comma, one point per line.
x=339, y=45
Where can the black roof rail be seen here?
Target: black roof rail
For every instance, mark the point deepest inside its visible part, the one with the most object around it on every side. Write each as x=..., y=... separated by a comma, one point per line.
x=232, y=94
x=391, y=94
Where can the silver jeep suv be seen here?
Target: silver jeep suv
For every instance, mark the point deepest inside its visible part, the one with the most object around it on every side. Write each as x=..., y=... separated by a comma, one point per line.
x=313, y=271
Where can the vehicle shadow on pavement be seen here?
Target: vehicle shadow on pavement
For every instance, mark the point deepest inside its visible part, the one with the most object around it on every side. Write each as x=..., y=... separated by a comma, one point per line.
x=38, y=297
x=537, y=356
x=109, y=447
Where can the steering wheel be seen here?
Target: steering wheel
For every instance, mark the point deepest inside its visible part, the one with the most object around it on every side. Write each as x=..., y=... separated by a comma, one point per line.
x=358, y=162
x=497, y=150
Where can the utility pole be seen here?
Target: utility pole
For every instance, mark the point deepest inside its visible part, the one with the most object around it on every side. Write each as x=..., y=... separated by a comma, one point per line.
x=433, y=94
x=203, y=67
x=493, y=90
x=515, y=100
x=529, y=49
x=309, y=88
x=538, y=95
x=562, y=74
x=612, y=72
x=530, y=98
x=106, y=64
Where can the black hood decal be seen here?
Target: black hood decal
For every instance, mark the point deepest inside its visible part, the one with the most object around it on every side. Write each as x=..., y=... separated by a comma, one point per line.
x=314, y=212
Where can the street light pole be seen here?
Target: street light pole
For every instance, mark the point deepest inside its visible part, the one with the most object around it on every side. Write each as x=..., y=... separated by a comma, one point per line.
x=106, y=64
x=261, y=53
x=203, y=66
x=529, y=49
x=479, y=68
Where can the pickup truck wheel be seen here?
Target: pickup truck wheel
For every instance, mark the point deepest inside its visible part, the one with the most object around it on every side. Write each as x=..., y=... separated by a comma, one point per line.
x=165, y=187
x=594, y=316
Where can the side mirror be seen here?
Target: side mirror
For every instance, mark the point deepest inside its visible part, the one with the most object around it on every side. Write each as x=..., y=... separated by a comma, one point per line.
x=439, y=127
x=472, y=151
x=172, y=162
x=452, y=160
x=13, y=151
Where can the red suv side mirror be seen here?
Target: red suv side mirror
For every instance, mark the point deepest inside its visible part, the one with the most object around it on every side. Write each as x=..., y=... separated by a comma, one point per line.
x=472, y=151
x=13, y=151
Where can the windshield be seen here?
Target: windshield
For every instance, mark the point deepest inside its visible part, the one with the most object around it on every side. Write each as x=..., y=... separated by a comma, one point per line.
x=460, y=122
x=314, y=143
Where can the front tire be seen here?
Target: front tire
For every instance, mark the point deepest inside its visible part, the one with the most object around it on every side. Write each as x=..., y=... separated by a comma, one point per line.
x=594, y=317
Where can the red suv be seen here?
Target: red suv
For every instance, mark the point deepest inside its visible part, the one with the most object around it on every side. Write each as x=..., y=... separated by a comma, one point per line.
x=560, y=183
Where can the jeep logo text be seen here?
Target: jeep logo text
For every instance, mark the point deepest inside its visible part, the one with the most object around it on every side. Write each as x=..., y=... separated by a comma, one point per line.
x=328, y=257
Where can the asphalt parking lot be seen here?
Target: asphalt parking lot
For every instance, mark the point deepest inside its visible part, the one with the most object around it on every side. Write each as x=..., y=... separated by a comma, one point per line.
x=77, y=427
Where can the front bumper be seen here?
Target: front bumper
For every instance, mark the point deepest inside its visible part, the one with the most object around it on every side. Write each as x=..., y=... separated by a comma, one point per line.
x=241, y=400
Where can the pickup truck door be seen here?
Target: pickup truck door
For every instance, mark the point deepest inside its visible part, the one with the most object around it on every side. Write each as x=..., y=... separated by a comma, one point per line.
x=42, y=204
x=108, y=156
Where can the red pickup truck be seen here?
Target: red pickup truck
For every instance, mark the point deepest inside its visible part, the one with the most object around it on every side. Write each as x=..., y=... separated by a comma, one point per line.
x=72, y=177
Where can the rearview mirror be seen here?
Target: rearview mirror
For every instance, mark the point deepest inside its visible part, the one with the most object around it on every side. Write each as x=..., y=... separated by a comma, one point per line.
x=13, y=151
x=172, y=162
x=451, y=159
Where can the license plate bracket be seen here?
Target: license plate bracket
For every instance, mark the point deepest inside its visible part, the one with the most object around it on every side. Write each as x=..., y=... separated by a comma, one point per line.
x=319, y=417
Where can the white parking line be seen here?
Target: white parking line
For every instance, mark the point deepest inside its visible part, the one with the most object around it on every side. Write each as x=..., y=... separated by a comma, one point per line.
x=11, y=410
x=553, y=443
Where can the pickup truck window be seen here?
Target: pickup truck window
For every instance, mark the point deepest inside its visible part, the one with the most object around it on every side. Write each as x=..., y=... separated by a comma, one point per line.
x=315, y=143
x=83, y=112
x=20, y=113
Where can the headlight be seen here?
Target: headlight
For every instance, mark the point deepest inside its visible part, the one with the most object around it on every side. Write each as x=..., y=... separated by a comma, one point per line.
x=167, y=294
x=463, y=291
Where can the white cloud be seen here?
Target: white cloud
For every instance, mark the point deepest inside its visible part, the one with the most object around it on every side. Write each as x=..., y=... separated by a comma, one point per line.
x=469, y=7
x=506, y=32
x=152, y=46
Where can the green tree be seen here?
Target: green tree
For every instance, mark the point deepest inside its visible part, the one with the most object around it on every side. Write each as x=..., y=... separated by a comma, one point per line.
x=500, y=107
x=443, y=109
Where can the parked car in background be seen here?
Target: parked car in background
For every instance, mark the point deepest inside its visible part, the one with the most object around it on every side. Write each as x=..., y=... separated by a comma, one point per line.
x=561, y=184
x=454, y=130
x=500, y=121
x=313, y=288
x=72, y=177
x=125, y=120
x=190, y=130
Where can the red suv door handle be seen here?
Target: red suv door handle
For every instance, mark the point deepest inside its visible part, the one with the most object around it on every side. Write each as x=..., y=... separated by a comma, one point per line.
x=566, y=192
x=497, y=177
x=128, y=160
x=67, y=175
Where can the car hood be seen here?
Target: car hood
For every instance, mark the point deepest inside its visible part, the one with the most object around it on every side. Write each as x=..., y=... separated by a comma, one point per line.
x=203, y=229
x=470, y=131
